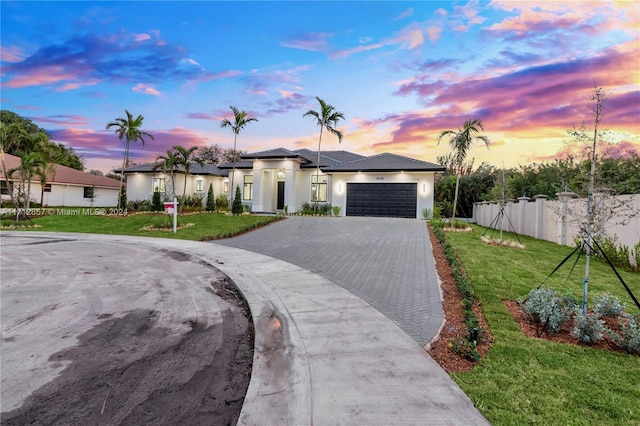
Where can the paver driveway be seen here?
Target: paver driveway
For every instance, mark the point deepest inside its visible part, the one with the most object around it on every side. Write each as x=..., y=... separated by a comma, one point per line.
x=385, y=261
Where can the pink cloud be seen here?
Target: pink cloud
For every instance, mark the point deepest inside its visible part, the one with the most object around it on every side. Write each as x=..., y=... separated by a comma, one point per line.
x=315, y=42
x=41, y=76
x=142, y=37
x=11, y=54
x=145, y=89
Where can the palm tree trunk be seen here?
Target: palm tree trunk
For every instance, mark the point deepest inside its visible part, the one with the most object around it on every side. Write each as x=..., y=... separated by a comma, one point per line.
x=455, y=200
x=233, y=170
x=125, y=162
x=6, y=177
x=315, y=205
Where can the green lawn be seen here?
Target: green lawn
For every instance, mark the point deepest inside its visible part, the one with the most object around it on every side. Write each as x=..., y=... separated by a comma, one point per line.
x=206, y=226
x=534, y=381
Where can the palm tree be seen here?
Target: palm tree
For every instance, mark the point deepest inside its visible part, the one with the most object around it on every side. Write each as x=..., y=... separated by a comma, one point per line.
x=184, y=157
x=327, y=118
x=168, y=163
x=7, y=141
x=461, y=141
x=240, y=120
x=129, y=129
x=30, y=164
x=49, y=157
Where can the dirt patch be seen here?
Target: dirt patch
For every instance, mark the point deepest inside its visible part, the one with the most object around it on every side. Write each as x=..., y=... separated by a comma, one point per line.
x=132, y=370
x=454, y=325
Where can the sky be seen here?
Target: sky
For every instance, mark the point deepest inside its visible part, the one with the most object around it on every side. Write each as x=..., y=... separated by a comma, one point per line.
x=400, y=72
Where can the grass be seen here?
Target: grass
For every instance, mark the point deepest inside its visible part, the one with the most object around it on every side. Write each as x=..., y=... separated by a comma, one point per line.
x=535, y=381
x=206, y=226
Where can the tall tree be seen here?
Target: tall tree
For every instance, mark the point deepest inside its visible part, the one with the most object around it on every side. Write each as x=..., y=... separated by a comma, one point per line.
x=31, y=163
x=49, y=157
x=168, y=163
x=460, y=142
x=129, y=129
x=327, y=118
x=215, y=154
x=240, y=120
x=185, y=157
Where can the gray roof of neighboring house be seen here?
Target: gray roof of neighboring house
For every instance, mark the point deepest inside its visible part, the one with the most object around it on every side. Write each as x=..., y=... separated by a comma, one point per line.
x=195, y=169
x=386, y=163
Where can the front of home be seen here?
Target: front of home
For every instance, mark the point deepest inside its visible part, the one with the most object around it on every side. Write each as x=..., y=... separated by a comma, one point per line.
x=279, y=180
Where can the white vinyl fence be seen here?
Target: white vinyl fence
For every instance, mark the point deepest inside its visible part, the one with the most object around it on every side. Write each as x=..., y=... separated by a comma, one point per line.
x=560, y=220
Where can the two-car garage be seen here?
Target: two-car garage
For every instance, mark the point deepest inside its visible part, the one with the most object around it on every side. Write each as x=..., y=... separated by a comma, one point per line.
x=382, y=199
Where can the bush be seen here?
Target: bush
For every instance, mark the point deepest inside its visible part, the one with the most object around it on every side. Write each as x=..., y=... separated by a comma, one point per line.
x=608, y=306
x=629, y=338
x=236, y=207
x=323, y=209
x=617, y=255
x=336, y=210
x=222, y=203
x=211, y=200
x=548, y=308
x=139, y=206
x=588, y=330
x=156, y=202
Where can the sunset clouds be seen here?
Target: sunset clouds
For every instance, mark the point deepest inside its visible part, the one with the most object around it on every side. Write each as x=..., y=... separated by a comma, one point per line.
x=401, y=72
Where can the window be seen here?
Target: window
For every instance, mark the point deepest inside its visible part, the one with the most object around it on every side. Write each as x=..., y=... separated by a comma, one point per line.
x=318, y=190
x=3, y=187
x=47, y=187
x=226, y=187
x=199, y=185
x=247, y=190
x=158, y=185
x=89, y=192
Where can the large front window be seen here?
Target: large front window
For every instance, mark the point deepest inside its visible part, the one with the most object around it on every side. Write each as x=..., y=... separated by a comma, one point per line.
x=158, y=185
x=318, y=188
x=247, y=190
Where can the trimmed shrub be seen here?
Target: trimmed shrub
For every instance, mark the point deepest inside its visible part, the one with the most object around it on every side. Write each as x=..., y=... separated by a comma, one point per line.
x=546, y=307
x=236, y=207
x=629, y=338
x=156, y=202
x=608, y=306
x=588, y=330
x=211, y=200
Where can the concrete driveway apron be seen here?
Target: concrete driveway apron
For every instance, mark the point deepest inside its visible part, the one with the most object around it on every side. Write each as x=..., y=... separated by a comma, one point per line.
x=387, y=262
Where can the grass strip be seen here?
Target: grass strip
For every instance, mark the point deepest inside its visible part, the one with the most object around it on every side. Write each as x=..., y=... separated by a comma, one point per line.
x=206, y=226
x=535, y=381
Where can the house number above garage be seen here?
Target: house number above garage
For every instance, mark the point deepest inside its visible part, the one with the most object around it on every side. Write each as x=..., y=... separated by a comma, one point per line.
x=379, y=177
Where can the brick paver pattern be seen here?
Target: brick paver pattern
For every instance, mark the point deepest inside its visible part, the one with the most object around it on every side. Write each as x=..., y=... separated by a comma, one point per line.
x=387, y=262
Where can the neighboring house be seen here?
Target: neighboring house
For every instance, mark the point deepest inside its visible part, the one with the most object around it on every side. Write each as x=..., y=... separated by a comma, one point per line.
x=385, y=185
x=65, y=187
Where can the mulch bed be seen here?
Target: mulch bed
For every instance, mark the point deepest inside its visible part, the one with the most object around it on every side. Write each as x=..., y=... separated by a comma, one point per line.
x=454, y=320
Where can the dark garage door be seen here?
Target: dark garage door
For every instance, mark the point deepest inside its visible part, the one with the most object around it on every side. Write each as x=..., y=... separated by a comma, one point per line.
x=382, y=199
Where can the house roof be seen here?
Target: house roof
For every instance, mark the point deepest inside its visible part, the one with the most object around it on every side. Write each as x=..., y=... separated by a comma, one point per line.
x=195, y=169
x=386, y=163
x=65, y=175
x=327, y=158
x=272, y=153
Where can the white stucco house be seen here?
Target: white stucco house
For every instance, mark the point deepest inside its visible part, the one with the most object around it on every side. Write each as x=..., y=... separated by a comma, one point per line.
x=385, y=185
x=64, y=187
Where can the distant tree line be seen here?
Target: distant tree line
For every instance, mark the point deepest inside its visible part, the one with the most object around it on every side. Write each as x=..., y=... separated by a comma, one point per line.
x=489, y=183
x=18, y=133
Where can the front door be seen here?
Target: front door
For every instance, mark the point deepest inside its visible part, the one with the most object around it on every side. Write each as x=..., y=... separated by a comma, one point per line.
x=280, y=201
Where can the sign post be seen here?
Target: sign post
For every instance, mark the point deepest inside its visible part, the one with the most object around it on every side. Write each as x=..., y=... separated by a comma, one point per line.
x=171, y=207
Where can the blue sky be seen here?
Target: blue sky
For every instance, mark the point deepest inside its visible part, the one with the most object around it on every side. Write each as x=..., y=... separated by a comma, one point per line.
x=401, y=72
